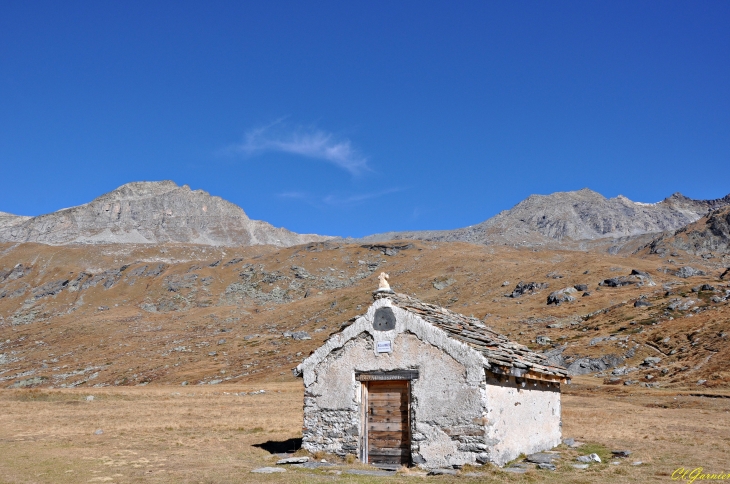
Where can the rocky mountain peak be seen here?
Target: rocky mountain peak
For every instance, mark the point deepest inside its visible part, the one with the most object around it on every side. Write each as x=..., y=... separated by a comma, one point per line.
x=143, y=189
x=676, y=196
x=9, y=220
x=151, y=212
x=581, y=215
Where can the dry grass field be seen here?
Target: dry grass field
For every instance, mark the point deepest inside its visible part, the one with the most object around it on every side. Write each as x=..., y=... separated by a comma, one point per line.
x=214, y=435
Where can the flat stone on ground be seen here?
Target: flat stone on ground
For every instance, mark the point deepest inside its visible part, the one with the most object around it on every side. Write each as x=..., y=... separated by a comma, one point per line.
x=268, y=470
x=292, y=460
x=314, y=465
x=588, y=458
x=542, y=458
x=364, y=472
x=442, y=472
x=621, y=453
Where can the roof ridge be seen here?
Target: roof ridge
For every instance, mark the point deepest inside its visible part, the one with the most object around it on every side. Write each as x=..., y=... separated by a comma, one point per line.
x=497, y=348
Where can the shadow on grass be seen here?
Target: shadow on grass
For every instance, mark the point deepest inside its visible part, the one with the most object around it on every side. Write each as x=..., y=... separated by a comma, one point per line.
x=281, y=446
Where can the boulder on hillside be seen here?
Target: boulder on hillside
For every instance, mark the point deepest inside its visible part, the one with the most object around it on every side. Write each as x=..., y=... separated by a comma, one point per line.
x=651, y=361
x=523, y=288
x=681, y=304
x=687, y=271
x=640, y=278
x=387, y=249
x=443, y=283
x=543, y=340
x=583, y=366
x=297, y=335
x=636, y=272
x=561, y=296
x=555, y=356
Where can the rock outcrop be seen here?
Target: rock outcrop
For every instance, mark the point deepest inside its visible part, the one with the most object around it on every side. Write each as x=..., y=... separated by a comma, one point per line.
x=10, y=220
x=148, y=213
x=582, y=215
x=527, y=288
x=710, y=234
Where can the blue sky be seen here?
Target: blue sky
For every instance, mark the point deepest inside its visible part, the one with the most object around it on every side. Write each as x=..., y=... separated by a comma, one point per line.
x=350, y=118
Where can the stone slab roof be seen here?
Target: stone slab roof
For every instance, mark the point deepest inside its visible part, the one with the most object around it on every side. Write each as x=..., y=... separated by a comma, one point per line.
x=503, y=355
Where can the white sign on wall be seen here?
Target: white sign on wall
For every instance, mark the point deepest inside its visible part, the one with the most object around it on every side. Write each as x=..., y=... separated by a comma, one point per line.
x=383, y=347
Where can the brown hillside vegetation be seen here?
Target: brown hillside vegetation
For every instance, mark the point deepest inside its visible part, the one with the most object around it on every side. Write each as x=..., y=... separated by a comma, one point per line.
x=131, y=315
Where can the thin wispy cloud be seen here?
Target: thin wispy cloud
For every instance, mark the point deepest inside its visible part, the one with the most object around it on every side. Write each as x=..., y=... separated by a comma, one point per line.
x=307, y=142
x=337, y=200
x=356, y=198
x=296, y=195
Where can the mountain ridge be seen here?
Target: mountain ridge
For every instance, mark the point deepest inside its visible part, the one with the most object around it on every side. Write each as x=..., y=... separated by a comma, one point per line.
x=581, y=215
x=162, y=212
x=149, y=213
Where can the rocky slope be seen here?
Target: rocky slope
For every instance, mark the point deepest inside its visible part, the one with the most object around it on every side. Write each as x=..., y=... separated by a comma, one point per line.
x=149, y=213
x=10, y=220
x=709, y=236
x=128, y=314
x=564, y=217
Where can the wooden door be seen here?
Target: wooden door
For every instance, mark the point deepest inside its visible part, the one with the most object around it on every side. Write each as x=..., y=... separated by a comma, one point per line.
x=388, y=428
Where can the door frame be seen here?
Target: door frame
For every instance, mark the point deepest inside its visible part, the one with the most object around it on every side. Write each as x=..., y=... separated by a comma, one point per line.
x=364, y=378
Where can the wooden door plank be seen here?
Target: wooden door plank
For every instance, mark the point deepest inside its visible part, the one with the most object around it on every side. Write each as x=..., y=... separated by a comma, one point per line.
x=379, y=397
x=400, y=404
x=385, y=414
x=396, y=434
x=390, y=452
x=388, y=412
x=389, y=444
x=392, y=408
x=385, y=426
x=389, y=419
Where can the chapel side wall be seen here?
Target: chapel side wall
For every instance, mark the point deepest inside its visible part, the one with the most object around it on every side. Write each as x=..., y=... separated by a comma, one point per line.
x=521, y=419
x=332, y=406
x=446, y=401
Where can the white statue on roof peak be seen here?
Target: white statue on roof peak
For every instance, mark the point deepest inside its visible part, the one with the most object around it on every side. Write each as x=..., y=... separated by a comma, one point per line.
x=383, y=282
